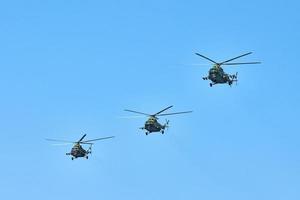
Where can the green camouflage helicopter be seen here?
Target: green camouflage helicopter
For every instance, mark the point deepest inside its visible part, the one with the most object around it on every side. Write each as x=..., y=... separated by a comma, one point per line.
x=152, y=124
x=77, y=150
x=217, y=75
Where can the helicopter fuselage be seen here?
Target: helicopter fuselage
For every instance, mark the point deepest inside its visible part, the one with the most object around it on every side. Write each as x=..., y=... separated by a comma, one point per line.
x=217, y=75
x=78, y=151
x=152, y=125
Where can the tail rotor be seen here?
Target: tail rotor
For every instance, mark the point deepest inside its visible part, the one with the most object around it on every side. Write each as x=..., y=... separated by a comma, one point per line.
x=167, y=124
x=235, y=78
x=89, y=151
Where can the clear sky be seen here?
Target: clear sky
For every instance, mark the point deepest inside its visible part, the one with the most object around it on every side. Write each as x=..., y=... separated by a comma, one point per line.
x=70, y=67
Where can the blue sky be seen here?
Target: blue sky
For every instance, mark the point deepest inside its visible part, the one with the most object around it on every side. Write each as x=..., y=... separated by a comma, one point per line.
x=70, y=67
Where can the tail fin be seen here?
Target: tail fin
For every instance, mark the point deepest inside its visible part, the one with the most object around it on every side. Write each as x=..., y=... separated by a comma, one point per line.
x=89, y=151
x=235, y=78
x=166, y=125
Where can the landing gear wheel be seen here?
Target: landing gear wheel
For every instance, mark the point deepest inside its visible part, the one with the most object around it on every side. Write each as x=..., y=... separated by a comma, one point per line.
x=72, y=158
x=162, y=132
x=147, y=133
x=87, y=157
x=210, y=84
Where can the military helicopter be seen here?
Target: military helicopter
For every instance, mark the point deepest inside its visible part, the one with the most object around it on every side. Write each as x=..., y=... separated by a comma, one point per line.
x=152, y=124
x=77, y=150
x=217, y=75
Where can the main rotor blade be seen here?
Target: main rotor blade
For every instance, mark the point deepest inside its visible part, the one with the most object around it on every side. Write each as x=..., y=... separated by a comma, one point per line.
x=63, y=144
x=203, y=65
x=81, y=138
x=130, y=117
x=54, y=140
x=137, y=112
x=198, y=54
x=162, y=111
x=87, y=141
x=176, y=113
x=235, y=58
x=245, y=63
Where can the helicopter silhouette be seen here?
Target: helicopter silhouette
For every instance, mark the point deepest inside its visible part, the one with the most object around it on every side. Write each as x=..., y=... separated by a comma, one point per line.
x=152, y=124
x=77, y=150
x=217, y=75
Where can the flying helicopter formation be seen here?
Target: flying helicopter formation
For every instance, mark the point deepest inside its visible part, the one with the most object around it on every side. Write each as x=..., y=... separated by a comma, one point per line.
x=216, y=75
